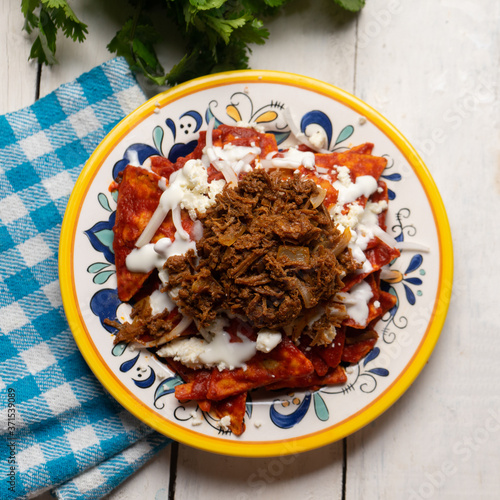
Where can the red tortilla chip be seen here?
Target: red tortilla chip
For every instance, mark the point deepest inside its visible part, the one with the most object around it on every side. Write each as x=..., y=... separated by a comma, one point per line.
x=162, y=166
x=195, y=389
x=363, y=149
x=358, y=345
x=358, y=164
x=284, y=361
x=138, y=197
x=334, y=376
x=378, y=255
x=332, y=354
x=235, y=408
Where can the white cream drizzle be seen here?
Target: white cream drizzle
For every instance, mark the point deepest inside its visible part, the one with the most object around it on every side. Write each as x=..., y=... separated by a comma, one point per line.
x=160, y=301
x=154, y=255
x=365, y=185
x=356, y=302
x=292, y=158
x=219, y=351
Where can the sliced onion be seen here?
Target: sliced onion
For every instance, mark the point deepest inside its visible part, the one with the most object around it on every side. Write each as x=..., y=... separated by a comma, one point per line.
x=176, y=219
x=345, y=298
x=266, y=164
x=226, y=170
x=389, y=274
x=322, y=170
x=219, y=163
x=342, y=243
x=337, y=310
x=361, y=337
x=152, y=226
x=305, y=293
x=172, y=334
x=228, y=239
x=317, y=199
x=411, y=246
x=300, y=136
x=383, y=236
x=208, y=139
x=245, y=161
x=297, y=255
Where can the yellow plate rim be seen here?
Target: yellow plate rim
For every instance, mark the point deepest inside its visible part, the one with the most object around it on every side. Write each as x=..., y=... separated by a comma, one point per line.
x=255, y=449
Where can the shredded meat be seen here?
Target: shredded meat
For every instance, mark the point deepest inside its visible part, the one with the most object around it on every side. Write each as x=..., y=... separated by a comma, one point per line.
x=144, y=326
x=266, y=255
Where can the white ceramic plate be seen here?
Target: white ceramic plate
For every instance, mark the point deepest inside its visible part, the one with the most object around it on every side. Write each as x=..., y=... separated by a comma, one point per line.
x=277, y=423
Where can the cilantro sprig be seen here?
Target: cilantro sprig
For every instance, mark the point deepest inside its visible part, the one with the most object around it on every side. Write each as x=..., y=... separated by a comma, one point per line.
x=217, y=33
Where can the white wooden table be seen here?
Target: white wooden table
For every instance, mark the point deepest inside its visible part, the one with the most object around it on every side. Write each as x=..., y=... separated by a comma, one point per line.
x=432, y=67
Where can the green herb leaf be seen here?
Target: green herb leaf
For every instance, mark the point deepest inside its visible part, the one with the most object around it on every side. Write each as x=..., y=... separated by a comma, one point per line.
x=351, y=5
x=207, y=4
x=217, y=33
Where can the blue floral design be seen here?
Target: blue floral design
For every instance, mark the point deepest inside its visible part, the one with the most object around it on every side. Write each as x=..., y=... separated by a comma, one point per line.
x=101, y=237
x=286, y=421
x=136, y=154
x=104, y=304
x=392, y=177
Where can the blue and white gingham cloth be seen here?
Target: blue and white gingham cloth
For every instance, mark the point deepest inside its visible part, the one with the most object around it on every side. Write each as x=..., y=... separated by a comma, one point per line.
x=59, y=429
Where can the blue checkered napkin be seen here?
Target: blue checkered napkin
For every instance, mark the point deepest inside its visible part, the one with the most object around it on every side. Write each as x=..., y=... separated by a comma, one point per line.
x=57, y=424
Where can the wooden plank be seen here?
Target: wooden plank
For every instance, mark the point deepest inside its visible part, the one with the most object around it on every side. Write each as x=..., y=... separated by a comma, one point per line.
x=315, y=39
x=432, y=69
x=313, y=475
x=17, y=77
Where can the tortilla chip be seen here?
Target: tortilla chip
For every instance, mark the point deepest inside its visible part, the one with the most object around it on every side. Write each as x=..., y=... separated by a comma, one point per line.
x=283, y=362
x=138, y=197
x=233, y=407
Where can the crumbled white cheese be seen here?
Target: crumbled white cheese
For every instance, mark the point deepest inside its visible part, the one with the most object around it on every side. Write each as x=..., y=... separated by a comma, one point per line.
x=195, y=419
x=214, y=350
x=186, y=351
x=188, y=188
x=267, y=340
x=317, y=136
x=351, y=218
x=198, y=193
x=344, y=175
x=377, y=207
x=224, y=423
